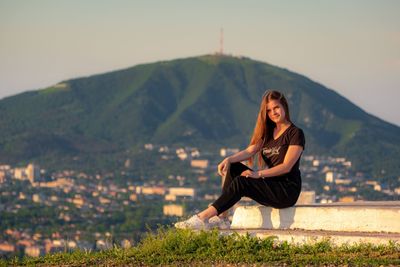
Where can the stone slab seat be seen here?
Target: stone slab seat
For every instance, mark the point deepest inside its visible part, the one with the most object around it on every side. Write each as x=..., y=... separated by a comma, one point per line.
x=370, y=217
x=298, y=236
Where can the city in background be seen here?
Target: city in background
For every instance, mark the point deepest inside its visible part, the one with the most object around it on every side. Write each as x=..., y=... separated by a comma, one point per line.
x=45, y=212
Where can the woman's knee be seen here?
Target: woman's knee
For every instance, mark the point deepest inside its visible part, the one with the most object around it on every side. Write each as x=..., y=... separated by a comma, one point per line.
x=239, y=184
x=237, y=168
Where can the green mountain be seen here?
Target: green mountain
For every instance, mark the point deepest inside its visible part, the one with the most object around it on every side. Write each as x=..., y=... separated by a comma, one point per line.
x=201, y=101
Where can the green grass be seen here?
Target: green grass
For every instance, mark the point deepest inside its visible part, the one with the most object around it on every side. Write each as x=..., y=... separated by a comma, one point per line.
x=168, y=246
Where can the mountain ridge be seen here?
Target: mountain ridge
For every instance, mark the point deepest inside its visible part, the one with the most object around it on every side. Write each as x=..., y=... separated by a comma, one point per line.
x=207, y=100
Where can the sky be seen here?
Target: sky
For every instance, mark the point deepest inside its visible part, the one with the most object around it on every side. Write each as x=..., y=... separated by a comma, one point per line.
x=352, y=46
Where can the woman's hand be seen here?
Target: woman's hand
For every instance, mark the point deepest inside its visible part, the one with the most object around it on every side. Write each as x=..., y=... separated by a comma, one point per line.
x=251, y=174
x=223, y=167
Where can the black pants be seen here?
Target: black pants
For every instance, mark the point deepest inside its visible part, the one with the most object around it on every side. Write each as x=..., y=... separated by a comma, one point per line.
x=278, y=192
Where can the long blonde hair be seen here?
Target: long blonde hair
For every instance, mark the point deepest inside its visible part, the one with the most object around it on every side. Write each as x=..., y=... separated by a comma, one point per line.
x=263, y=131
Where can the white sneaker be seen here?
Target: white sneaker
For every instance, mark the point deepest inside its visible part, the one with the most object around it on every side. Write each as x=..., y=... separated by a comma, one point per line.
x=193, y=222
x=222, y=224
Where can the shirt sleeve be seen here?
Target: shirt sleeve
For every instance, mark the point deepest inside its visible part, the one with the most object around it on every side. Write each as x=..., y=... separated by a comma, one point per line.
x=297, y=137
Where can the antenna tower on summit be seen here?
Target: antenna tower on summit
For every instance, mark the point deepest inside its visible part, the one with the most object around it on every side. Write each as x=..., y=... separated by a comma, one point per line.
x=221, y=42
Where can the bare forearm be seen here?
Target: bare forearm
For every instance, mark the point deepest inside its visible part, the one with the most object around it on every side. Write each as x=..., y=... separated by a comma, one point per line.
x=265, y=173
x=240, y=156
x=274, y=171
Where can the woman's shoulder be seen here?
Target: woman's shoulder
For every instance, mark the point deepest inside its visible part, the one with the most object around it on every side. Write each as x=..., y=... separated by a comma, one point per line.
x=295, y=135
x=294, y=128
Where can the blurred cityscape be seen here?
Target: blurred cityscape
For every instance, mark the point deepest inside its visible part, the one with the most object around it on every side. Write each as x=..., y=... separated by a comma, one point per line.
x=42, y=212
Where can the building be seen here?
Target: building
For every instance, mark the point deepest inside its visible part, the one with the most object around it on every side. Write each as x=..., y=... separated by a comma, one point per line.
x=60, y=182
x=374, y=184
x=181, y=153
x=315, y=163
x=127, y=163
x=6, y=247
x=330, y=176
x=173, y=210
x=202, y=179
x=211, y=197
x=377, y=187
x=126, y=244
x=104, y=200
x=5, y=167
x=306, y=197
x=182, y=191
x=163, y=149
x=133, y=197
x=32, y=172
x=36, y=198
x=224, y=152
x=199, y=163
x=149, y=146
x=195, y=153
x=347, y=199
x=343, y=181
x=33, y=251
x=19, y=174
x=170, y=197
x=78, y=201
x=150, y=190
x=2, y=176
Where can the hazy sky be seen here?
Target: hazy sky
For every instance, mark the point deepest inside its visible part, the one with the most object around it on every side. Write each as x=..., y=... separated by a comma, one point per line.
x=352, y=47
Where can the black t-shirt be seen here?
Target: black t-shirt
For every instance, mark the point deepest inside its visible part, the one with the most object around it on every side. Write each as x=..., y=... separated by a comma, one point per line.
x=274, y=151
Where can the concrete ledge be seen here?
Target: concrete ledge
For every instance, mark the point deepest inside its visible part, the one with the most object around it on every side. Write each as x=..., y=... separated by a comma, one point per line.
x=342, y=217
x=310, y=237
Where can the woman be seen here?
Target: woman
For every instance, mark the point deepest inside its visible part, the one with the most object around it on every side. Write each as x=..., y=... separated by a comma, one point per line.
x=279, y=144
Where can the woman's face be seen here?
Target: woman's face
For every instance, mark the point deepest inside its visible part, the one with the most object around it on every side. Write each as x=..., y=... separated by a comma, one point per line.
x=276, y=112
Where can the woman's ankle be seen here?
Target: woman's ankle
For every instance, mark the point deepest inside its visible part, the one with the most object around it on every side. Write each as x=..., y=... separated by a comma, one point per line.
x=207, y=213
x=224, y=215
x=202, y=217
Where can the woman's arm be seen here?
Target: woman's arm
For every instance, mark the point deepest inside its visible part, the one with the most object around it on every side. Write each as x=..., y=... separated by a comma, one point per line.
x=240, y=156
x=292, y=155
x=245, y=154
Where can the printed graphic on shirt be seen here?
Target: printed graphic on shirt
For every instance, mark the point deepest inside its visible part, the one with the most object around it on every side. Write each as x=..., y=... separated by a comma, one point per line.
x=270, y=151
